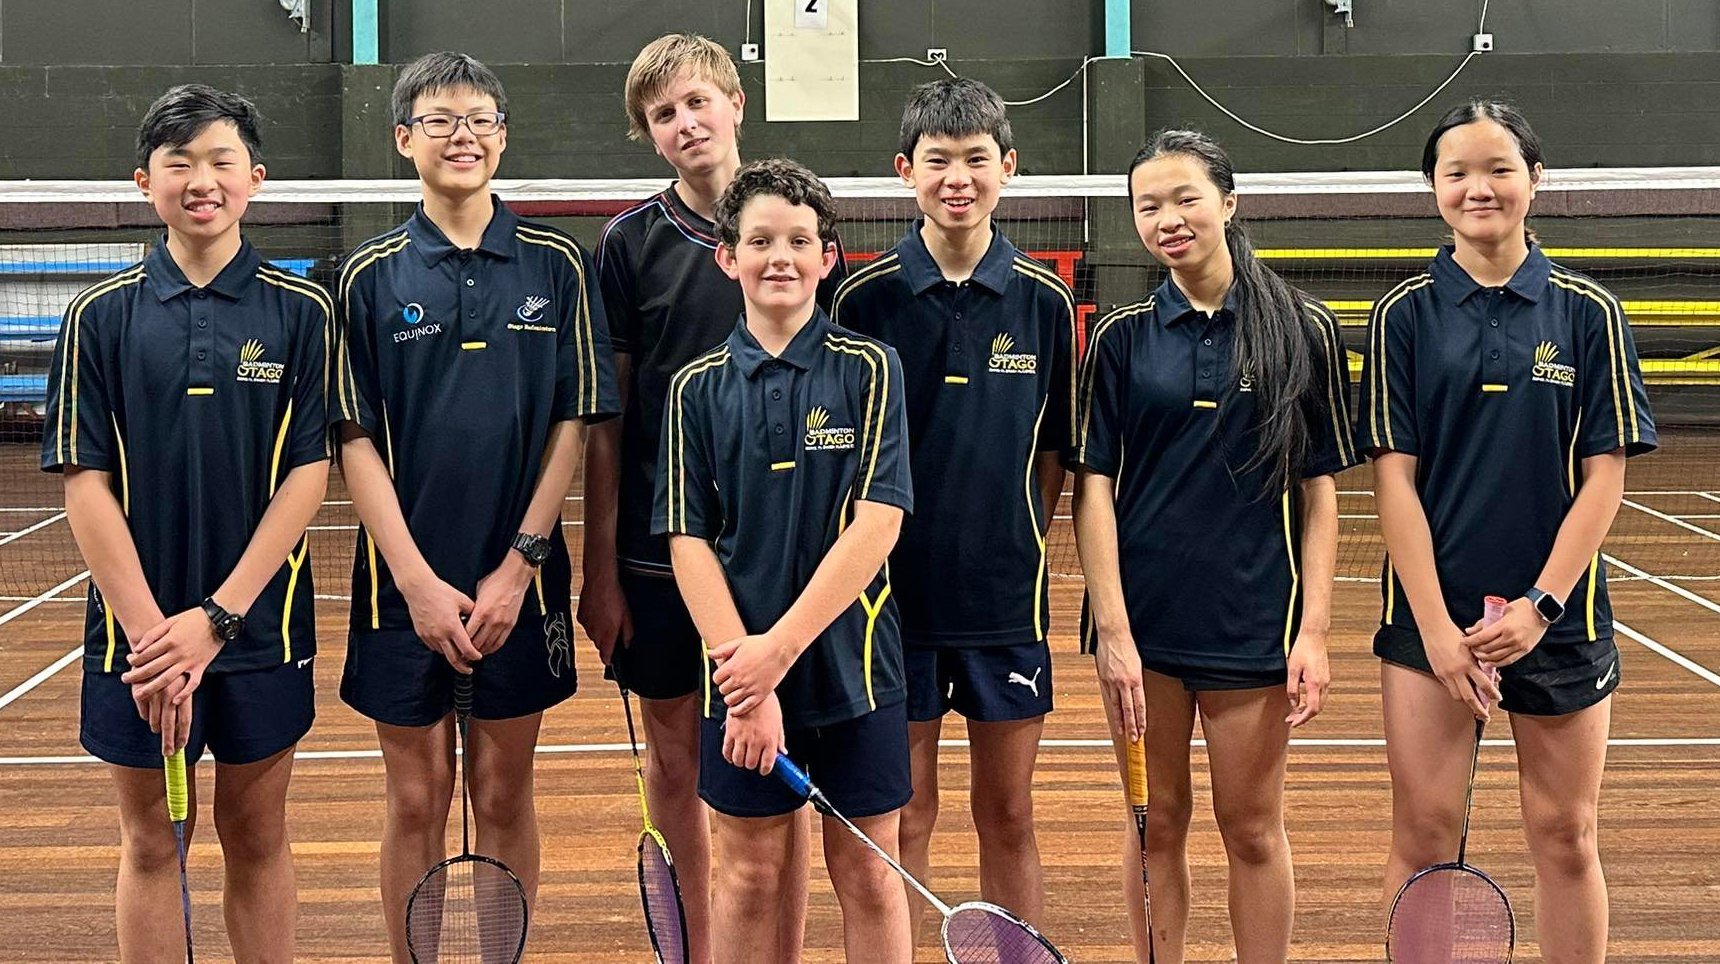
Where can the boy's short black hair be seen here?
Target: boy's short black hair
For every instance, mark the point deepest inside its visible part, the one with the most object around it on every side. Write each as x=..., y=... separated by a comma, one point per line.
x=777, y=177
x=179, y=116
x=954, y=107
x=444, y=70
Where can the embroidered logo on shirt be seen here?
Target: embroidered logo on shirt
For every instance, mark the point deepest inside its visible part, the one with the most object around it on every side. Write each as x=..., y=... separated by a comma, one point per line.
x=1246, y=382
x=821, y=437
x=1006, y=361
x=1548, y=369
x=412, y=314
x=532, y=311
x=252, y=368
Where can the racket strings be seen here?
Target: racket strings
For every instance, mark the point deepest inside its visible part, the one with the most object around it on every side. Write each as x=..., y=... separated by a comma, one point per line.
x=467, y=910
x=1450, y=915
x=660, y=892
x=978, y=935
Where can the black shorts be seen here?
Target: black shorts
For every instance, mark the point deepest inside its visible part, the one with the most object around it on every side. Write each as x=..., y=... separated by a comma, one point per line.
x=241, y=717
x=860, y=764
x=1553, y=680
x=990, y=684
x=392, y=677
x=1201, y=679
x=666, y=659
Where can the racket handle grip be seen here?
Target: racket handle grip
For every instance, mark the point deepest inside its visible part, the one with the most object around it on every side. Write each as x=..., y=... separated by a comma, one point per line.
x=791, y=774
x=1493, y=610
x=1135, y=755
x=463, y=694
x=178, y=799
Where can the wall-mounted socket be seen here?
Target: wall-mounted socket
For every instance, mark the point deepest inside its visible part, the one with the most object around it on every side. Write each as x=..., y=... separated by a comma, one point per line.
x=937, y=55
x=1483, y=42
x=749, y=53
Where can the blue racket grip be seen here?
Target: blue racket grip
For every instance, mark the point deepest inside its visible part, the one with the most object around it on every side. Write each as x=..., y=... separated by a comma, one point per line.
x=793, y=775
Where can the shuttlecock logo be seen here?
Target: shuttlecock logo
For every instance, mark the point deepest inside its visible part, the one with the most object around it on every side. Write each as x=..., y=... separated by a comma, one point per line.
x=820, y=436
x=1548, y=369
x=1005, y=360
x=252, y=368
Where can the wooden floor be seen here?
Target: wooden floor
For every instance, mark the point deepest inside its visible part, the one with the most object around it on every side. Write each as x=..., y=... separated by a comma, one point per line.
x=1660, y=822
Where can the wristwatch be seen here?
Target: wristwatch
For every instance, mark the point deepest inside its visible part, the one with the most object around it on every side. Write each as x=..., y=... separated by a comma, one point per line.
x=535, y=548
x=227, y=625
x=1550, y=609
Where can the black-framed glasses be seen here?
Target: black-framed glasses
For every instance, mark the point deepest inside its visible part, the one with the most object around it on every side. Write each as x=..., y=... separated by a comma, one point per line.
x=482, y=123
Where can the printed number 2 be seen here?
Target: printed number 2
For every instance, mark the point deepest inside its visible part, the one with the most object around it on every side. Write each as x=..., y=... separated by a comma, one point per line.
x=811, y=6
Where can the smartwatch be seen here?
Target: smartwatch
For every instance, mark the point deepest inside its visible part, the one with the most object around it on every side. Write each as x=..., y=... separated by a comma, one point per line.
x=534, y=548
x=1550, y=609
x=227, y=625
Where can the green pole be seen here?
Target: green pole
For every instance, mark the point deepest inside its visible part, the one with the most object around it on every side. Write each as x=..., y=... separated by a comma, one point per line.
x=1116, y=28
x=364, y=41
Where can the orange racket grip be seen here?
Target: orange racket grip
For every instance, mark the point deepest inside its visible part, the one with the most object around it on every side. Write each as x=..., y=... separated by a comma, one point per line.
x=1135, y=782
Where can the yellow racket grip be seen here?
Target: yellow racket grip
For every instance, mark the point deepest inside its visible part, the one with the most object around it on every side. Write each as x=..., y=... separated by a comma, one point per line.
x=178, y=800
x=1135, y=756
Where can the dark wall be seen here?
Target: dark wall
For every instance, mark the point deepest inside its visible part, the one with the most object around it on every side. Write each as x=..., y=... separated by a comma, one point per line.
x=1591, y=110
x=1612, y=86
x=81, y=122
x=169, y=32
x=1213, y=28
x=587, y=32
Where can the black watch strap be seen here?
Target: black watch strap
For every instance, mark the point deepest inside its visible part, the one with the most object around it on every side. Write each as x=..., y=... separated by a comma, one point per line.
x=227, y=625
x=534, y=548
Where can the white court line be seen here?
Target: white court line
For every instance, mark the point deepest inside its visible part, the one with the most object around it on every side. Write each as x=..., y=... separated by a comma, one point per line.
x=40, y=678
x=1696, y=517
x=1669, y=653
x=35, y=601
x=558, y=749
x=33, y=508
x=56, y=599
x=1702, y=601
x=40, y=525
x=1711, y=497
x=1674, y=520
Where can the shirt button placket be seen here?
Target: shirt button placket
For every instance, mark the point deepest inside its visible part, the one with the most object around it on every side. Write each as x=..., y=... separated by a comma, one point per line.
x=203, y=339
x=1497, y=360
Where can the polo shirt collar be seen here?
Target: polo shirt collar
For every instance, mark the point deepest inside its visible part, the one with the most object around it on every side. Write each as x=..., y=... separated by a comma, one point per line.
x=168, y=281
x=801, y=352
x=1173, y=307
x=689, y=220
x=433, y=246
x=922, y=271
x=1528, y=282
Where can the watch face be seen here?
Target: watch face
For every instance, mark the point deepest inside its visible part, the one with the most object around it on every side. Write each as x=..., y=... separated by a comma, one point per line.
x=1549, y=608
x=230, y=627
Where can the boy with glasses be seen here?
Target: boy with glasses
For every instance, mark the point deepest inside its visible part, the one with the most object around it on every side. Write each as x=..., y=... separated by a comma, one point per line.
x=474, y=348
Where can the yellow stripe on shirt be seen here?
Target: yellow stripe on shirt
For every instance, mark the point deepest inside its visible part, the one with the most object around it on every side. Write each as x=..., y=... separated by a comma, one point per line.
x=1379, y=411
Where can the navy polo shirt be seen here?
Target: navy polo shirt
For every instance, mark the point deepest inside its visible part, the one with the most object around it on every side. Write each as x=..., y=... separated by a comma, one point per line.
x=668, y=302
x=1211, y=568
x=1500, y=393
x=458, y=363
x=764, y=457
x=199, y=401
x=989, y=378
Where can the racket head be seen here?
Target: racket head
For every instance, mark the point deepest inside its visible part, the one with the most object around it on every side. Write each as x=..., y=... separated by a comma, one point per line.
x=980, y=933
x=1451, y=914
x=467, y=908
x=660, y=894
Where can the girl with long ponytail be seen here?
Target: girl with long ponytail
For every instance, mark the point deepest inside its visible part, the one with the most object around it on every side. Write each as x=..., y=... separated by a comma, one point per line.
x=1213, y=417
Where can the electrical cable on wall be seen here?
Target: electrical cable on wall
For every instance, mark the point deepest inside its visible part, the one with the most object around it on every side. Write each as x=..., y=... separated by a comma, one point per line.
x=1481, y=28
